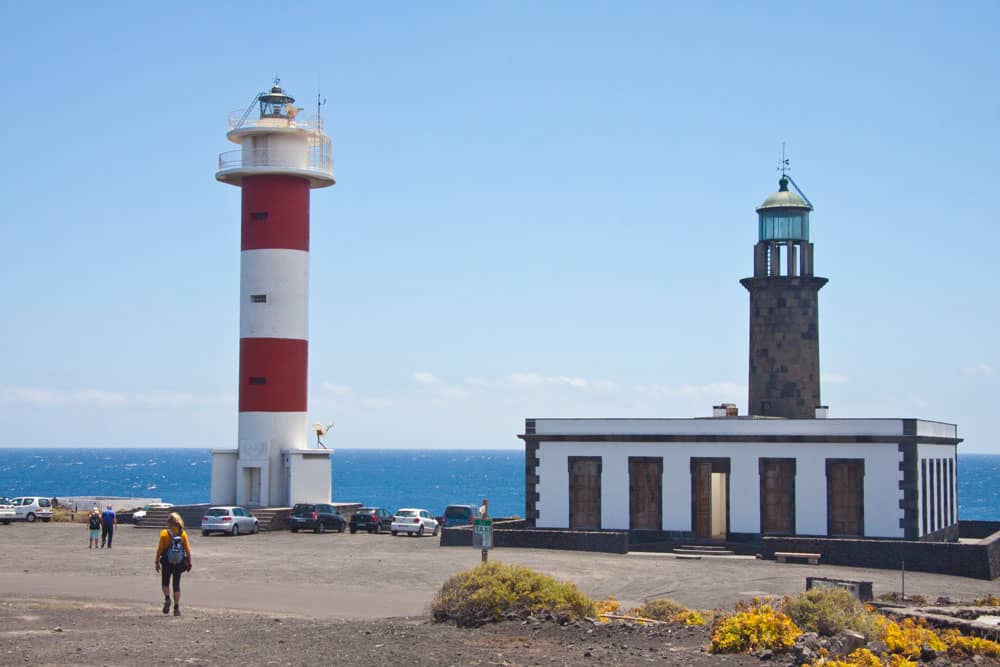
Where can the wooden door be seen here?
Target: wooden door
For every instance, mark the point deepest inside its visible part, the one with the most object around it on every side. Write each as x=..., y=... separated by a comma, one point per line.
x=702, y=480
x=585, y=492
x=645, y=483
x=777, y=492
x=844, y=493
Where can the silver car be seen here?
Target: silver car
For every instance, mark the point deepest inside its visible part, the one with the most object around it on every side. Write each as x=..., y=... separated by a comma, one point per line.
x=29, y=508
x=230, y=519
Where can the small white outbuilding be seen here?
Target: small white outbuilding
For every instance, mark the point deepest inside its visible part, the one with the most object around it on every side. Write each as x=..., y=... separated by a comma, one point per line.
x=738, y=478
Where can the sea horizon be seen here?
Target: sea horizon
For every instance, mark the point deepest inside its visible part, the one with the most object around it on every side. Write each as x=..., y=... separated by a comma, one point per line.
x=386, y=477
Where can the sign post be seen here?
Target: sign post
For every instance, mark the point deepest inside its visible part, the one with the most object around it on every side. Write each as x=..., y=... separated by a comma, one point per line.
x=482, y=530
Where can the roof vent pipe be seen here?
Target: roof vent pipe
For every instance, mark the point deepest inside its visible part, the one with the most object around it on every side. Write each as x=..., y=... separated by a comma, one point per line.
x=822, y=411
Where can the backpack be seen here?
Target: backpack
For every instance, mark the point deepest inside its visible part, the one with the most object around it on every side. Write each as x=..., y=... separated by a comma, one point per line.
x=175, y=552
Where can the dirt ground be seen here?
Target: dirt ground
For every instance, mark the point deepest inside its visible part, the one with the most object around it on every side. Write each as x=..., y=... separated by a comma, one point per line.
x=71, y=632
x=305, y=599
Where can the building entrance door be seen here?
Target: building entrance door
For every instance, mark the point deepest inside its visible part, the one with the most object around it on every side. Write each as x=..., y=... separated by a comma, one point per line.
x=251, y=483
x=845, y=497
x=777, y=496
x=585, y=492
x=710, y=498
x=645, y=475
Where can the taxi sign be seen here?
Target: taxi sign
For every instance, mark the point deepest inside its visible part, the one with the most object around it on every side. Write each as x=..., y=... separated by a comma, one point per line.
x=482, y=533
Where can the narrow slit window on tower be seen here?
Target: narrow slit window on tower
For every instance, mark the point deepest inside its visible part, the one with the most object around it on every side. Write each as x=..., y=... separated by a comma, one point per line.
x=259, y=215
x=258, y=380
x=258, y=298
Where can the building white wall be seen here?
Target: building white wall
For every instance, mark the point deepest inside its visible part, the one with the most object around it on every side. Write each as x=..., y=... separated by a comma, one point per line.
x=724, y=426
x=881, y=482
x=283, y=276
x=276, y=148
x=223, y=489
x=310, y=475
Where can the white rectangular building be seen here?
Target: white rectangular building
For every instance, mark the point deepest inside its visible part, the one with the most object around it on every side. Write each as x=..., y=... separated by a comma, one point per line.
x=739, y=478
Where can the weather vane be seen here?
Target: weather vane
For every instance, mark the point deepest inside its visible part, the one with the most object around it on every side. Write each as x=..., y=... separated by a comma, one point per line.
x=277, y=81
x=783, y=165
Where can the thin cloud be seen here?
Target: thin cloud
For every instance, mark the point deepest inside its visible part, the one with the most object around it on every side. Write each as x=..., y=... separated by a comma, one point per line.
x=980, y=369
x=37, y=397
x=576, y=382
x=717, y=389
x=336, y=389
x=425, y=378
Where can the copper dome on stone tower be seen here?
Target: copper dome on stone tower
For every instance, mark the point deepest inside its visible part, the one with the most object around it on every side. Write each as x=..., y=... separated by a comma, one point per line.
x=784, y=198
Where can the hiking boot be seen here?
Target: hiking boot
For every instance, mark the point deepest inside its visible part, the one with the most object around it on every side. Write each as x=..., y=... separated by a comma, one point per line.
x=177, y=611
x=166, y=606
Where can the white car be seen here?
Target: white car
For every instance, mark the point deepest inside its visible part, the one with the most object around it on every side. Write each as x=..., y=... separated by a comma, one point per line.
x=413, y=521
x=229, y=519
x=7, y=513
x=30, y=508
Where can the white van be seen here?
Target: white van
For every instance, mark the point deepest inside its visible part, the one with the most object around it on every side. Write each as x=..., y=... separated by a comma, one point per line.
x=30, y=508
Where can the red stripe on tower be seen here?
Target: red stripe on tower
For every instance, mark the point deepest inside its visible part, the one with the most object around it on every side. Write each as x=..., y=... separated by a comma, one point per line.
x=273, y=374
x=275, y=213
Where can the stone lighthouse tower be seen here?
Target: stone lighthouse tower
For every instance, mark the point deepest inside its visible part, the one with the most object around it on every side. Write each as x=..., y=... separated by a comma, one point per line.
x=784, y=310
x=282, y=156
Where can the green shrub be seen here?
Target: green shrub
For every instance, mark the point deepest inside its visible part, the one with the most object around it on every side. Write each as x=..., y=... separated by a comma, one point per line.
x=493, y=590
x=660, y=609
x=828, y=611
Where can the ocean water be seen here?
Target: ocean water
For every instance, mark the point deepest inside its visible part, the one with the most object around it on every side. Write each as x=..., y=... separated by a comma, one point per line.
x=390, y=478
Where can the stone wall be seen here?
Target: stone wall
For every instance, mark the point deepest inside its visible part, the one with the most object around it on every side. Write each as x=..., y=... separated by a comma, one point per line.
x=514, y=535
x=979, y=561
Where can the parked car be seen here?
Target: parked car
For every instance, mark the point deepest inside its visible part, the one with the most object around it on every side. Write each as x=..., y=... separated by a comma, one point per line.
x=30, y=508
x=414, y=521
x=139, y=515
x=457, y=515
x=372, y=519
x=317, y=517
x=229, y=519
x=7, y=513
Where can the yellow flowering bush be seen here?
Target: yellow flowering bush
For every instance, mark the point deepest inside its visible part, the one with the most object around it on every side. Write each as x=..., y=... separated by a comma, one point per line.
x=960, y=646
x=909, y=636
x=609, y=606
x=864, y=658
x=690, y=618
x=988, y=600
x=755, y=626
x=492, y=590
x=661, y=609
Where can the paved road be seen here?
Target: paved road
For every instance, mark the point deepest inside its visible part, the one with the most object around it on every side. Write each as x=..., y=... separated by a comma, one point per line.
x=373, y=576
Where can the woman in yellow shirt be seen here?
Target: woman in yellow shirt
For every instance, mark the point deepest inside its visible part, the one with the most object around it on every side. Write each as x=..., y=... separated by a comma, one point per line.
x=173, y=558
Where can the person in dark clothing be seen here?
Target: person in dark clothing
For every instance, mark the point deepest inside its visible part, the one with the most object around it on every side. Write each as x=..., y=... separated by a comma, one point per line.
x=108, y=521
x=93, y=528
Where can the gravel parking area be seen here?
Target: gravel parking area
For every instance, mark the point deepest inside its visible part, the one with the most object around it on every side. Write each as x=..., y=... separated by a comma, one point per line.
x=339, y=575
x=361, y=600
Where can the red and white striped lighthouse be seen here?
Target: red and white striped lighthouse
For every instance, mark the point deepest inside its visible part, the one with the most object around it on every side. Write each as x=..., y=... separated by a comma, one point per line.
x=282, y=156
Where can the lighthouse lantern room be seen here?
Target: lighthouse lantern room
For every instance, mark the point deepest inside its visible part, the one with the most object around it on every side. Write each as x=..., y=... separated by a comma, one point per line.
x=283, y=154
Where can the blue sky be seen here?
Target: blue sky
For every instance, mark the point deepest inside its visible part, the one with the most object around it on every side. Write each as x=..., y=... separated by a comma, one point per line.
x=542, y=210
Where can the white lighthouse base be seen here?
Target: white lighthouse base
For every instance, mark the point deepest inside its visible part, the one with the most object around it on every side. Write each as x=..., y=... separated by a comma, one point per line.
x=309, y=475
x=224, y=476
x=305, y=475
